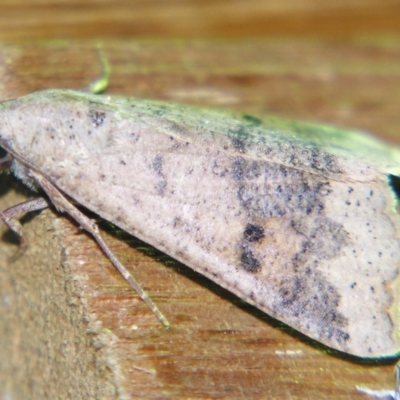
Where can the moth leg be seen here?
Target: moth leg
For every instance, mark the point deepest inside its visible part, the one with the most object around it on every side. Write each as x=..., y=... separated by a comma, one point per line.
x=64, y=205
x=8, y=216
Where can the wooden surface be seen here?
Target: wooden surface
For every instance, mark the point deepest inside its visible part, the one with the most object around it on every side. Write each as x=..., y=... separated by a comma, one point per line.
x=339, y=19
x=70, y=327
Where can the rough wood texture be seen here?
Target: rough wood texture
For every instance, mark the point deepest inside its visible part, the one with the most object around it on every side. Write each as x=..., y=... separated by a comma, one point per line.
x=70, y=327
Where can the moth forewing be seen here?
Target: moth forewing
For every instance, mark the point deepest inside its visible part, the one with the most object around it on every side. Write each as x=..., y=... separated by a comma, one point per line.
x=304, y=229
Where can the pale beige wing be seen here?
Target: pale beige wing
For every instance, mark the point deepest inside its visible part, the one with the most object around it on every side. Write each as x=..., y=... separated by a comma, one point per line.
x=304, y=230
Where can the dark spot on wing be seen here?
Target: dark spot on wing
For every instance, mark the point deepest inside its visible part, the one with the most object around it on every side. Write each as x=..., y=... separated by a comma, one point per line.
x=97, y=117
x=161, y=186
x=157, y=167
x=322, y=161
x=253, y=233
x=157, y=164
x=239, y=145
x=248, y=261
x=239, y=137
x=175, y=127
x=244, y=170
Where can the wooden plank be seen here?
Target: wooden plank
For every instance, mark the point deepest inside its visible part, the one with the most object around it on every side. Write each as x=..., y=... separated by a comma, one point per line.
x=78, y=19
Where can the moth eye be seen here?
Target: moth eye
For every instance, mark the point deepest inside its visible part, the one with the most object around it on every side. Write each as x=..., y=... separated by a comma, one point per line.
x=5, y=159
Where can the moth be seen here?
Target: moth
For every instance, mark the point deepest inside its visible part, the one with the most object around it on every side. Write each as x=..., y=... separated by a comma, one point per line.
x=299, y=220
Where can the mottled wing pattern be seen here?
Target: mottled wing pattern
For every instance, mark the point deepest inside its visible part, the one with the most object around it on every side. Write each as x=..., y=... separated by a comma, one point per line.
x=303, y=228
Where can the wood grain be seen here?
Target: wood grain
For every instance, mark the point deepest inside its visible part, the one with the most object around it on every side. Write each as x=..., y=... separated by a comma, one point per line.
x=70, y=327
x=77, y=19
